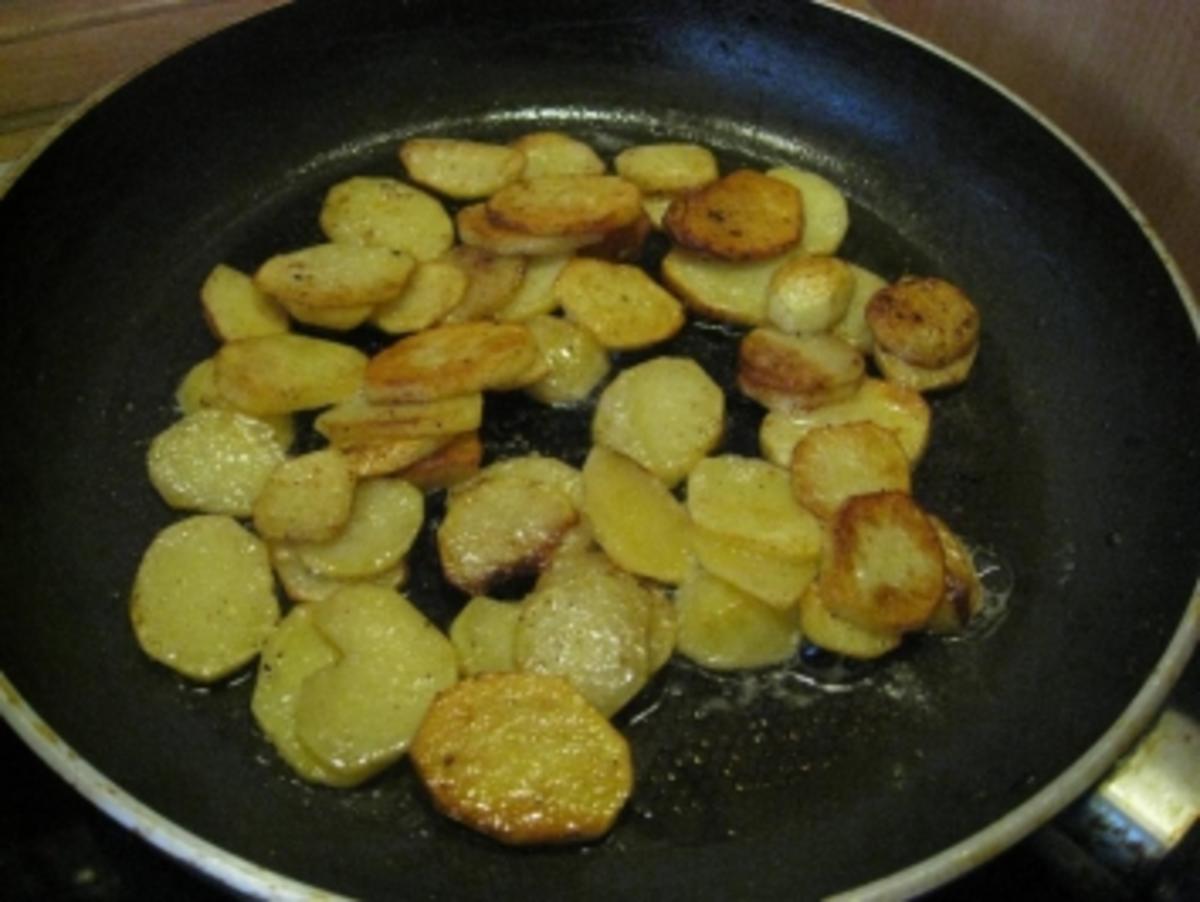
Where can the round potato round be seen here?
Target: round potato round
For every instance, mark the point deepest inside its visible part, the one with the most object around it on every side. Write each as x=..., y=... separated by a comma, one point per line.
x=927, y=322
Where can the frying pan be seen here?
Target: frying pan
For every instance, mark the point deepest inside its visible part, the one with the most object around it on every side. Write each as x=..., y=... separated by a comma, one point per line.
x=1069, y=460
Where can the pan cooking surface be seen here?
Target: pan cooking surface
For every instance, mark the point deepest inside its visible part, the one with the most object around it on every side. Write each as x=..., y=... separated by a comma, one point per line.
x=1069, y=455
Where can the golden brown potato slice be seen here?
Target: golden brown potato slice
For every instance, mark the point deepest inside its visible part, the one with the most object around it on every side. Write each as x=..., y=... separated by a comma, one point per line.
x=832, y=633
x=385, y=212
x=566, y=204
x=668, y=168
x=454, y=462
x=389, y=456
x=554, y=153
x=306, y=499
x=435, y=288
x=384, y=520
x=523, y=758
x=535, y=296
x=214, y=460
x=926, y=322
x=477, y=229
x=899, y=409
x=284, y=373
x=723, y=628
x=826, y=215
x=743, y=216
x=576, y=363
x=492, y=282
x=203, y=600
x=852, y=327
x=460, y=169
x=235, y=308
x=635, y=518
x=482, y=635
x=886, y=570
x=771, y=578
x=963, y=595
x=666, y=414
x=797, y=372
x=548, y=471
x=809, y=294
x=833, y=463
x=303, y=586
x=334, y=277
x=721, y=289
x=925, y=379
x=449, y=360
x=358, y=422
x=618, y=303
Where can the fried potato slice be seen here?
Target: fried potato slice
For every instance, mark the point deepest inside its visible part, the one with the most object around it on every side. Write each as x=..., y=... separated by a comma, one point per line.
x=666, y=414
x=655, y=207
x=555, y=153
x=797, y=372
x=435, y=288
x=464, y=170
x=334, y=277
x=926, y=322
x=826, y=215
x=385, y=212
x=386, y=457
x=358, y=421
x=477, y=229
x=359, y=714
x=618, y=303
x=203, y=601
x=886, y=404
x=925, y=379
x=734, y=292
x=852, y=327
x=575, y=361
x=523, y=758
x=482, y=636
x=449, y=360
x=832, y=633
x=234, y=307
x=384, y=520
x=276, y=374
x=962, y=598
x=454, y=462
x=535, y=295
x=833, y=463
x=724, y=628
x=306, y=499
x=742, y=216
x=492, y=282
x=197, y=390
x=340, y=319
x=547, y=471
x=303, y=586
x=886, y=570
x=809, y=294
x=216, y=461
x=635, y=518
x=749, y=499
x=668, y=168
x=771, y=578
x=566, y=204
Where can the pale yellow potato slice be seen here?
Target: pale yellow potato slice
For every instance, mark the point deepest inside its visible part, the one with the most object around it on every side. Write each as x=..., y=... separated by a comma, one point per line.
x=667, y=168
x=235, y=308
x=797, y=372
x=303, y=586
x=750, y=499
x=899, y=409
x=455, y=462
x=833, y=463
x=925, y=379
x=197, y=390
x=340, y=319
x=771, y=578
x=723, y=628
x=384, y=520
x=359, y=714
x=962, y=598
x=477, y=229
x=742, y=216
x=359, y=421
x=492, y=282
x=576, y=362
x=852, y=327
x=661, y=632
x=809, y=294
x=203, y=601
x=635, y=518
x=449, y=360
x=295, y=651
x=666, y=414
x=334, y=277
x=925, y=322
x=463, y=170
x=524, y=759
x=277, y=374
x=386, y=457
x=306, y=499
x=214, y=460
x=535, y=296
x=555, y=153
x=385, y=212
x=826, y=214
x=435, y=288
x=655, y=207
x=547, y=471
x=832, y=633
x=566, y=205
x=721, y=289
x=618, y=303
x=482, y=635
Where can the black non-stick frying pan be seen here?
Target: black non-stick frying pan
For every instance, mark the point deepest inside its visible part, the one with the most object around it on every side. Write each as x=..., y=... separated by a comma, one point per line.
x=1070, y=460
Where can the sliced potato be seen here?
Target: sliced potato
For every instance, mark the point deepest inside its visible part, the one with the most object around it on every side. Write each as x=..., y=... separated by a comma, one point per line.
x=962, y=598
x=833, y=463
x=234, y=307
x=547, y=471
x=566, y=204
x=303, y=586
x=635, y=518
x=340, y=319
x=203, y=600
x=384, y=520
x=214, y=460
x=797, y=372
x=721, y=289
x=482, y=635
x=925, y=379
x=492, y=282
x=723, y=628
x=359, y=714
x=809, y=294
x=667, y=168
x=454, y=462
x=359, y=421
x=390, y=456
x=334, y=277
x=477, y=229
x=385, y=212
x=742, y=216
x=576, y=362
x=926, y=322
x=655, y=207
x=523, y=758
x=306, y=499
x=852, y=328
x=449, y=360
x=460, y=169
x=826, y=215
x=618, y=303
x=666, y=414
x=554, y=153
x=771, y=578
x=535, y=296
x=623, y=245
x=886, y=570
x=435, y=288
x=661, y=632
x=197, y=390
x=750, y=499
x=277, y=374
x=832, y=633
